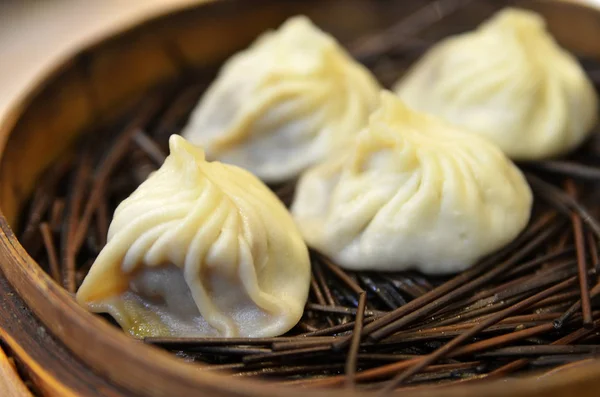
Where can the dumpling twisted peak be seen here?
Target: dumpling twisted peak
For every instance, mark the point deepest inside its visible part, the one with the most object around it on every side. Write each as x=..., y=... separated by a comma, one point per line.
x=284, y=104
x=200, y=249
x=414, y=192
x=510, y=81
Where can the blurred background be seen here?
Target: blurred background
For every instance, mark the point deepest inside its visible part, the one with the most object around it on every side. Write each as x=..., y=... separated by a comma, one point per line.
x=36, y=34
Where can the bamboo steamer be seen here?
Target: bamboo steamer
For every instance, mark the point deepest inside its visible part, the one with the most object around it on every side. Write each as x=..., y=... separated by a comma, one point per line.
x=67, y=351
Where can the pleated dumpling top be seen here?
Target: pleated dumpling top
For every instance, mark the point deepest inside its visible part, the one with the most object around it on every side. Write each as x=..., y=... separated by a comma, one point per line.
x=200, y=249
x=510, y=81
x=288, y=101
x=413, y=192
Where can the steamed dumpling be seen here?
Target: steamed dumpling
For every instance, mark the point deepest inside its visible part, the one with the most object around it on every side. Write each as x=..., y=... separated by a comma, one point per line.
x=510, y=81
x=200, y=249
x=413, y=192
x=284, y=104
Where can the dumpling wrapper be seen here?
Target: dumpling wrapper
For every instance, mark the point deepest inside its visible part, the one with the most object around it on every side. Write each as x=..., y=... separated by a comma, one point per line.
x=200, y=249
x=509, y=81
x=285, y=103
x=414, y=192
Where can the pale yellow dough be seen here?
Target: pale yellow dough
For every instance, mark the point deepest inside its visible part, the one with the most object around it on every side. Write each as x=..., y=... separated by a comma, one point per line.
x=200, y=249
x=413, y=192
x=509, y=81
x=287, y=102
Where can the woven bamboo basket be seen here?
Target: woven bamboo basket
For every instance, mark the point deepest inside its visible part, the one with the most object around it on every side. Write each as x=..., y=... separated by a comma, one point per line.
x=65, y=351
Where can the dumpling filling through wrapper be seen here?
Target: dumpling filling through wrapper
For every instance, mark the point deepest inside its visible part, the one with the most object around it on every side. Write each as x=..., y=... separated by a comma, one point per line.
x=200, y=249
x=287, y=102
x=413, y=192
x=511, y=82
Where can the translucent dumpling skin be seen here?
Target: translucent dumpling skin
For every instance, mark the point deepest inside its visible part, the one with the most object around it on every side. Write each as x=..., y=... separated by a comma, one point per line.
x=414, y=192
x=200, y=249
x=285, y=103
x=510, y=81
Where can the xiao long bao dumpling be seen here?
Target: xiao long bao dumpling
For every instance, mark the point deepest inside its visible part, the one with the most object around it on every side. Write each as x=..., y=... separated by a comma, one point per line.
x=413, y=192
x=200, y=249
x=510, y=81
x=285, y=103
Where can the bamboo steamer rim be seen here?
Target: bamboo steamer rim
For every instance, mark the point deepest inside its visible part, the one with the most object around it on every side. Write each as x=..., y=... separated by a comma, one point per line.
x=145, y=370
